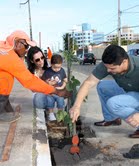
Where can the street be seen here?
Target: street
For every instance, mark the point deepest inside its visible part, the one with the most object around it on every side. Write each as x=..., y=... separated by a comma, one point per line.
x=84, y=69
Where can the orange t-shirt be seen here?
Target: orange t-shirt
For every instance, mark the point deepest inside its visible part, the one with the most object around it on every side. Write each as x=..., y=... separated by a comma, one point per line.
x=12, y=66
x=49, y=54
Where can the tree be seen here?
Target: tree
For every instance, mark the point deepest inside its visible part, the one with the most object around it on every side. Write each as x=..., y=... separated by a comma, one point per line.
x=123, y=41
x=72, y=82
x=65, y=41
x=69, y=42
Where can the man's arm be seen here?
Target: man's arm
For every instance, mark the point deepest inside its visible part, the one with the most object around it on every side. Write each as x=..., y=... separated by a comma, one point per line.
x=90, y=82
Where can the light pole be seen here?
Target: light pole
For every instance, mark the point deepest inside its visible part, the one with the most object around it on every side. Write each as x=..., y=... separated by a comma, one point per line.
x=29, y=12
x=119, y=24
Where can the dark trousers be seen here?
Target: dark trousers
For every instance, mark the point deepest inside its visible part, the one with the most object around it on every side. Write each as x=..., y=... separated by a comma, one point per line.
x=5, y=105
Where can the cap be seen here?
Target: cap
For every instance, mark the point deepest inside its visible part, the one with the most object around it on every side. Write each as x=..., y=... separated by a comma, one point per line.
x=21, y=35
x=9, y=43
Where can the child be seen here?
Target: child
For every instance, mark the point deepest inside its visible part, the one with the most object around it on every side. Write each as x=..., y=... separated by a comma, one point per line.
x=56, y=76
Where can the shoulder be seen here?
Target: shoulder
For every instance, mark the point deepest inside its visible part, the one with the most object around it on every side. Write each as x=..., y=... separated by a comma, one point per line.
x=134, y=60
x=100, y=71
x=62, y=69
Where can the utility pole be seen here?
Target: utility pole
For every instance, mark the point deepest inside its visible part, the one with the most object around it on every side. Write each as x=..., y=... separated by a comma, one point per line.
x=40, y=39
x=119, y=24
x=29, y=12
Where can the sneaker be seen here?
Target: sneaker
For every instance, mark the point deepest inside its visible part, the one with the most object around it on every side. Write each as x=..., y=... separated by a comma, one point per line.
x=51, y=116
x=9, y=117
x=40, y=115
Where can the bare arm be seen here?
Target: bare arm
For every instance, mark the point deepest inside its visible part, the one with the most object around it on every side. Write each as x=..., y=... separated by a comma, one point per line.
x=90, y=82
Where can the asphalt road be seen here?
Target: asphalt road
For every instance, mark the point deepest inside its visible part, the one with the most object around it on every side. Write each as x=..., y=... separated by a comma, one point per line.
x=85, y=69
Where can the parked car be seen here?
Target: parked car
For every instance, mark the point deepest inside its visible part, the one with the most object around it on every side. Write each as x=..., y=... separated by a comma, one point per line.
x=87, y=58
x=134, y=52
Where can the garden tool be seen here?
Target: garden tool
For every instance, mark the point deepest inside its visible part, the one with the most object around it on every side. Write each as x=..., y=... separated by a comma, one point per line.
x=75, y=141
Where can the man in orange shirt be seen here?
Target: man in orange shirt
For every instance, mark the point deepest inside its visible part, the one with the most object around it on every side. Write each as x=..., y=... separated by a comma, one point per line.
x=49, y=56
x=12, y=54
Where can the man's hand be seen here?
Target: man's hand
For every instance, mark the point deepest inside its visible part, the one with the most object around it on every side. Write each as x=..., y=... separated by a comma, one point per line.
x=74, y=113
x=59, y=88
x=133, y=120
x=63, y=93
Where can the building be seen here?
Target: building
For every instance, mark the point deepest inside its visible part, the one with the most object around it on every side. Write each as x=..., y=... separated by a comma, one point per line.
x=98, y=37
x=126, y=33
x=84, y=35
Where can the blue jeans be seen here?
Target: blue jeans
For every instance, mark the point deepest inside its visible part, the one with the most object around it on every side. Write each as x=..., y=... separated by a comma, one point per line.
x=43, y=101
x=115, y=102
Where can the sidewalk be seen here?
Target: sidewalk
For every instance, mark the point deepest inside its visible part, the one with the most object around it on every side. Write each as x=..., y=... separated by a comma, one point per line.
x=30, y=145
x=115, y=137
x=26, y=151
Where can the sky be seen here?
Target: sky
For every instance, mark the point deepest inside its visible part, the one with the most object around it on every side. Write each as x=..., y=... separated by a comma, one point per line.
x=53, y=18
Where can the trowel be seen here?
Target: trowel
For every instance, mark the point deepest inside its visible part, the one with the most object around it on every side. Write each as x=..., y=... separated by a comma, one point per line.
x=75, y=141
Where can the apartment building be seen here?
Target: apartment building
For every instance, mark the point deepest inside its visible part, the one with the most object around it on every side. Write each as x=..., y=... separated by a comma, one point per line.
x=126, y=33
x=84, y=35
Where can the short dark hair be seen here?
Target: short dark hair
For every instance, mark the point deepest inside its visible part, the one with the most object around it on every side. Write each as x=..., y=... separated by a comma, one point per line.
x=114, y=54
x=56, y=59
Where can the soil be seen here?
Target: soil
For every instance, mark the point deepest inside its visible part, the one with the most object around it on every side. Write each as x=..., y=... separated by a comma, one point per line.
x=90, y=154
x=62, y=156
x=60, y=144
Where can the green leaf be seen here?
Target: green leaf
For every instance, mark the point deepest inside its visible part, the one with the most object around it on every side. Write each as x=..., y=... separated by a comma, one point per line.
x=72, y=78
x=69, y=87
x=67, y=119
x=60, y=115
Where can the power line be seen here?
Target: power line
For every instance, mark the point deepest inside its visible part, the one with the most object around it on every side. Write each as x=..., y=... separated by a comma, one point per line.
x=129, y=8
x=131, y=12
x=122, y=11
x=134, y=26
x=106, y=34
x=108, y=19
x=110, y=32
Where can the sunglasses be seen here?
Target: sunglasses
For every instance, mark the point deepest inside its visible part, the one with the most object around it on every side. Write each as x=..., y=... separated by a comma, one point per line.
x=39, y=59
x=25, y=45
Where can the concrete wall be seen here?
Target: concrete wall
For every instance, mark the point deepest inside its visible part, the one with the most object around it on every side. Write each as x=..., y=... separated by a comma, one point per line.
x=99, y=51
